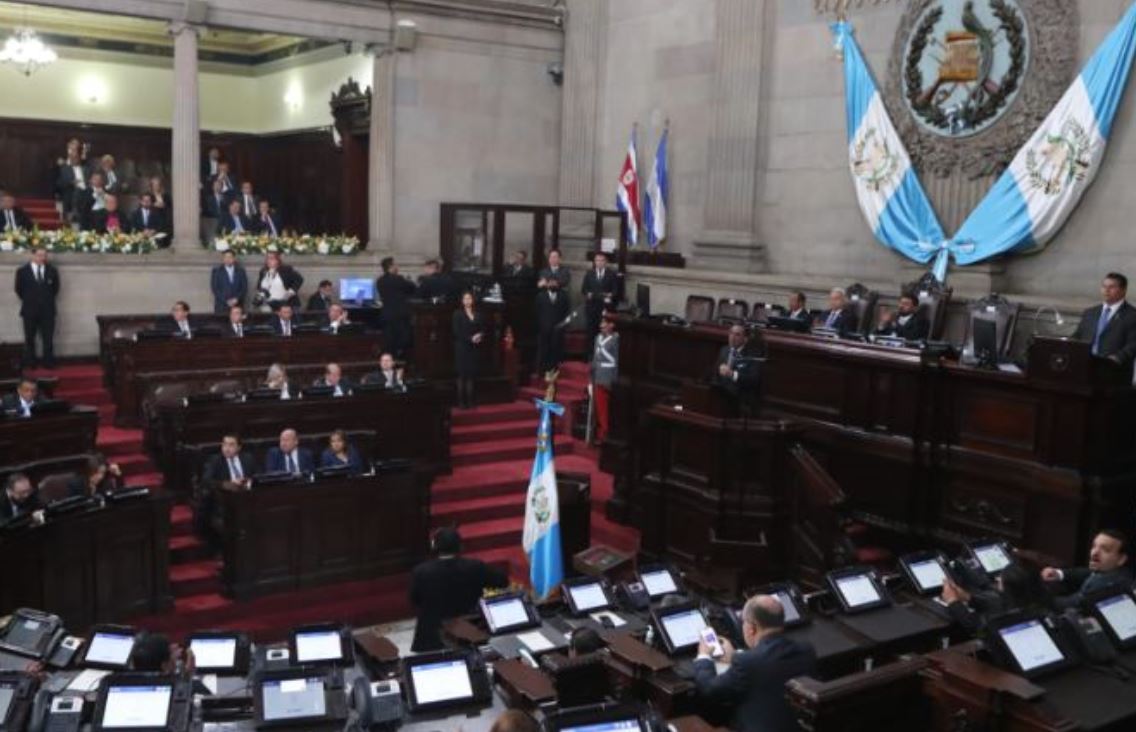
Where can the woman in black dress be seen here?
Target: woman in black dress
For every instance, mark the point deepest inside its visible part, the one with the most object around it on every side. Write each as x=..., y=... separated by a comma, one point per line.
x=469, y=335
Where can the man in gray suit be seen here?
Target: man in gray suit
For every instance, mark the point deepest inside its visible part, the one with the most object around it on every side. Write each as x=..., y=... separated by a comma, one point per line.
x=1108, y=567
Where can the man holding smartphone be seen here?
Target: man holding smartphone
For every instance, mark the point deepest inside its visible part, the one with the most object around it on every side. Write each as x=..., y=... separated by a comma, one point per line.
x=753, y=685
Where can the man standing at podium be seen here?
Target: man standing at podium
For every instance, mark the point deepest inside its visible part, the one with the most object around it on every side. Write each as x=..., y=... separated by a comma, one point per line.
x=1111, y=326
x=737, y=369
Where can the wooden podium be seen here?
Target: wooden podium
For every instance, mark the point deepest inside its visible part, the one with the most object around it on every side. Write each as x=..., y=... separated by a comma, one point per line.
x=1071, y=363
x=432, y=324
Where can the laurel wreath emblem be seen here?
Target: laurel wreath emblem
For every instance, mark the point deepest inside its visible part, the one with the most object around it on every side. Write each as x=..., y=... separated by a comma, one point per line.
x=873, y=162
x=1066, y=156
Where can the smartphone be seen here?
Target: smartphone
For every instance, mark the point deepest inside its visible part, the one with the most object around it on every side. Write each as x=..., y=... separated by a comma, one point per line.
x=710, y=638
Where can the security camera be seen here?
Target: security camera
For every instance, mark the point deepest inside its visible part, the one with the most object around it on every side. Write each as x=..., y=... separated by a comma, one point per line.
x=556, y=71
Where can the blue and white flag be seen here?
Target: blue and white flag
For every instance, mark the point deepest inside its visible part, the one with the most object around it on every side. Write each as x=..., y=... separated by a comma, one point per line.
x=658, y=191
x=1046, y=180
x=888, y=189
x=542, y=510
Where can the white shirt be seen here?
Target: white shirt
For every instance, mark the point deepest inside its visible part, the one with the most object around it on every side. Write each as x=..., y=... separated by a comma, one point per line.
x=250, y=209
x=77, y=171
x=25, y=408
x=10, y=219
x=284, y=393
x=1109, y=311
x=230, y=270
x=235, y=471
x=100, y=200
x=183, y=325
x=796, y=313
x=902, y=319
x=238, y=330
x=274, y=285
x=606, y=359
x=285, y=327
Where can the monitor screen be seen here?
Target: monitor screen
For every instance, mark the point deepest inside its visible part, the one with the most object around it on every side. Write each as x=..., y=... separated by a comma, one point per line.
x=441, y=682
x=318, y=645
x=26, y=633
x=353, y=289
x=1031, y=645
x=137, y=706
x=789, y=607
x=614, y=725
x=293, y=698
x=992, y=557
x=858, y=590
x=1120, y=613
x=658, y=582
x=112, y=649
x=684, y=628
x=210, y=653
x=6, y=694
x=588, y=597
x=505, y=613
x=928, y=574
x=643, y=298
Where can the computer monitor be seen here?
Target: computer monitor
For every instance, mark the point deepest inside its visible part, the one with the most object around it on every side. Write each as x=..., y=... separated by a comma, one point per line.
x=321, y=644
x=643, y=299
x=586, y=595
x=30, y=633
x=220, y=653
x=1029, y=648
x=925, y=571
x=857, y=589
x=1117, y=615
x=289, y=698
x=658, y=581
x=680, y=627
x=597, y=718
x=439, y=680
x=7, y=694
x=134, y=705
x=985, y=340
x=508, y=613
x=356, y=289
x=992, y=556
x=109, y=648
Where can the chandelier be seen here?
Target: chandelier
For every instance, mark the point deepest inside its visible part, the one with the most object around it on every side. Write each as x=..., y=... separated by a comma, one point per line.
x=26, y=52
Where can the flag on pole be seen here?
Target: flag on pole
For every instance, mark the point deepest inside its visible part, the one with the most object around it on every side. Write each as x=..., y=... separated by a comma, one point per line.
x=658, y=191
x=627, y=195
x=541, y=539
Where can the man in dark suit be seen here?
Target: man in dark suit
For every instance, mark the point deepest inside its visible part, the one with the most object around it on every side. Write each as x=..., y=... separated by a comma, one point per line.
x=37, y=286
x=519, y=268
x=336, y=319
x=236, y=326
x=600, y=289
x=1108, y=567
x=110, y=220
x=233, y=221
x=19, y=498
x=21, y=402
x=736, y=371
x=394, y=292
x=179, y=324
x=210, y=166
x=333, y=377
x=229, y=283
x=229, y=469
x=226, y=179
x=12, y=217
x=798, y=309
x=447, y=586
x=753, y=685
x=841, y=317
x=90, y=200
x=552, y=309
x=554, y=271
x=906, y=323
x=322, y=298
x=215, y=203
x=434, y=284
x=267, y=221
x=282, y=323
x=249, y=202
x=289, y=457
x=387, y=375
x=147, y=219
x=1111, y=326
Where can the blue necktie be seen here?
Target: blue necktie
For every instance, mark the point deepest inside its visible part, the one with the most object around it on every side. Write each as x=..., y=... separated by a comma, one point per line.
x=1102, y=324
x=291, y=464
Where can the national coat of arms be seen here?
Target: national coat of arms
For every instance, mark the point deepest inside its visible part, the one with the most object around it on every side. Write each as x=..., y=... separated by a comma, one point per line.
x=873, y=160
x=1062, y=159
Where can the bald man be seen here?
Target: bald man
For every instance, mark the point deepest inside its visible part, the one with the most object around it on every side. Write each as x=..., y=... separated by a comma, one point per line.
x=753, y=687
x=289, y=457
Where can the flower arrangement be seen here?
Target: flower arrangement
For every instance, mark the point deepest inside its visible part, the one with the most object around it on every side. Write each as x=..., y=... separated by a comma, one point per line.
x=322, y=244
x=68, y=240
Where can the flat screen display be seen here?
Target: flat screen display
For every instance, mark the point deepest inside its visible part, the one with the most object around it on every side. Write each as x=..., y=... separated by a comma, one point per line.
x=858, y=590
x=589, y=596
x=318, y=645
x=1120, y=613
x=788, y=606
x=441, y=682
x=507, y=613
x=683, y=628
x=26, y=633
x=659, y=582
x=992, y=557
x=137, y=706
x=353, y=289
x=209, y=653
x=293, y=699
x=1031, y=645
x=615, y=725
x=6, y=694
x=110, y=649
x=928, y=574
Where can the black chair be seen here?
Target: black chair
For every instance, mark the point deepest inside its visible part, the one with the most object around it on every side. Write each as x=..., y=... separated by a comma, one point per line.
x=934, y=301
x=699, y=309
x=863, y=302
x=579, y=681
x=732, y=311
x=1004, y=315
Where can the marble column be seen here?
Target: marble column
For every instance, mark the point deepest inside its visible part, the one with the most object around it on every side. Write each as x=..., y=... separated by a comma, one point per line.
x=585, y=30
x=730, y=208
x=185, y=156
x=380, y=173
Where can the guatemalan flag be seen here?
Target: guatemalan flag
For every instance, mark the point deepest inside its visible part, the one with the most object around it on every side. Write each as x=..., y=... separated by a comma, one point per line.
x=1046, y=180
x=627, y=195
x=888, y=189
x=542, y=510
x=658, y=190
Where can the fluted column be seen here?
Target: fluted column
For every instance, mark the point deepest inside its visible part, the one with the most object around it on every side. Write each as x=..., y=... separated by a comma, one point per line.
x=185, y=156
x=729, y=211
x=380, y=171
x=585, y=31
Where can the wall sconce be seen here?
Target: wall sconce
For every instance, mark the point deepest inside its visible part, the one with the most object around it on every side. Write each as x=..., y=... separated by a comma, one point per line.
x=92, y=90
x=294, y=96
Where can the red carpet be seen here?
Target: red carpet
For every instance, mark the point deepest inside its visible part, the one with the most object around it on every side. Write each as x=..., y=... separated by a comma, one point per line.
x=42, y=212
x=492, y=455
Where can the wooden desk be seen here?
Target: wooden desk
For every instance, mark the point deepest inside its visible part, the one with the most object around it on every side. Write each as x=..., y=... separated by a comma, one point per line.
x=284, y=537
x=152, y=356
x=48, y=436
x=934, y=450
x=434, y=348
x=100, y=566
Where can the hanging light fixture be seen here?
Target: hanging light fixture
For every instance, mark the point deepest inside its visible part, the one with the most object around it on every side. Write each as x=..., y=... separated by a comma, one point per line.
x=26, y=52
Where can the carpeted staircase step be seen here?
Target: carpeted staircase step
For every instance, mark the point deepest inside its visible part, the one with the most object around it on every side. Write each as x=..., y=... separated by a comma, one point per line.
x=181, y=520
x=480, y=535
x=479, y=453
x=149, y=480
x=490, y=431
x=73, y=379
x=196, y=578
x=509, y=412
x=91, y=397
x=477, y=509
x=482, y=481
x=114, y=441
x=186, y=549
x=133, y=464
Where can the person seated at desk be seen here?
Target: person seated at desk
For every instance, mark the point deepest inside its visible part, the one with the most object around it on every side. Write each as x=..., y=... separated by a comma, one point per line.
x=753, y=685
x=906, y=323
x=446, y=587
x=277, y=379
x=229, y=468
x=267, y=222
x=146, y=219
x=339, y=453
x=519, y=268
x=434, y=284
x=282, y=323
x=233, y=222
x=797, y=309
x=179, y=324
x=1015, y=589
x=97, y=478
x=289, y=457
x=236, y=326
x=841, y=317
x=333, y=377
x=1111, y=326
x=322, y=298
x=336, y=319
x=12, y=217
x=109, y=219
x=278, y=283
x=583, y=641
x=387, y=375
x=514, y=720
x=19, y=499
x=1108, y=567
x=737, y=369
x=26, y=397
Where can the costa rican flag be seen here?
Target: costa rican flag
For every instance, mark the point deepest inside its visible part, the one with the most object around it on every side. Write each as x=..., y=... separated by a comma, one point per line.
x=627, y=194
